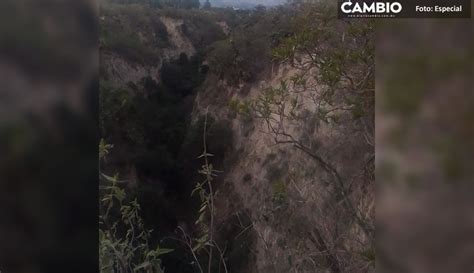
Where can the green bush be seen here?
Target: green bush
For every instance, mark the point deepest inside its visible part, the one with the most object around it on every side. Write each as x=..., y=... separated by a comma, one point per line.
x=133, y=31
x=247, y=53
x=279, y=190
x=123, y=239
x=182, y=75
x=202, y=30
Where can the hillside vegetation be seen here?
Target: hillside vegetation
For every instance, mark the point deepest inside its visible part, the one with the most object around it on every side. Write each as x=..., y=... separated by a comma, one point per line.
x=236, y=140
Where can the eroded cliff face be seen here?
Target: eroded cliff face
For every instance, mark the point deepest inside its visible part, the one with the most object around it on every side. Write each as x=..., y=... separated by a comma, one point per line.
x=279, y=208
x=286, y=199
x=180, y=43
x=291, y=203
x=121, y=70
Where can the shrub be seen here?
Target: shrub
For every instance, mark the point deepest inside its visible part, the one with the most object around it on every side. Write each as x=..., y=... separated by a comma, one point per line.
x=202, y=30
x=123, y=239
x=182, y=75
x=248, y=51
x=279, y=191
x=133, y=31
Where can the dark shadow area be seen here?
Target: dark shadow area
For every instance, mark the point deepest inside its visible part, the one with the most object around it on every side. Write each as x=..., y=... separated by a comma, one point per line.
x=48, y=136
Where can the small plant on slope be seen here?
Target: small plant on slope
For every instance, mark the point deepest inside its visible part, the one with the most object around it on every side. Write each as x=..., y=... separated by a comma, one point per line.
x=123, y=239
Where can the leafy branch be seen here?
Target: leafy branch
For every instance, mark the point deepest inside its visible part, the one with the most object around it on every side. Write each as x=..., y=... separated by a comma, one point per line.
x=123, y=239
x=206, y=218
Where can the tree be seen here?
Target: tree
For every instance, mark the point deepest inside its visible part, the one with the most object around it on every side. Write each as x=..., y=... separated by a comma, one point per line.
x=334, y=86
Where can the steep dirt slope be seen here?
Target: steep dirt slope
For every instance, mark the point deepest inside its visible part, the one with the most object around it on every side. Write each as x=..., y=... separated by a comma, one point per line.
x=287, y=197
x=180, y=43
x=278, y=209
x=120, y=70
